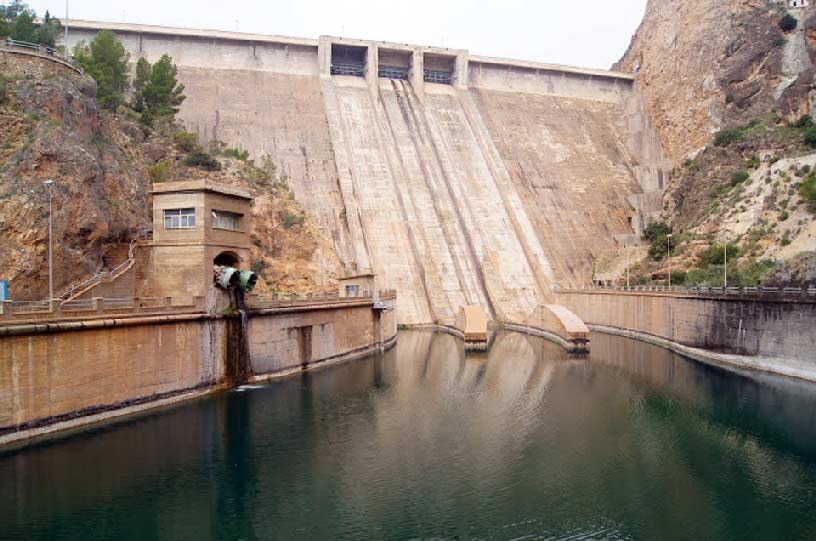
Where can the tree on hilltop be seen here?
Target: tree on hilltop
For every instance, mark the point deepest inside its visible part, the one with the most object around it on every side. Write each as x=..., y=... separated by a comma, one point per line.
x=17, y=22
x=106, y=60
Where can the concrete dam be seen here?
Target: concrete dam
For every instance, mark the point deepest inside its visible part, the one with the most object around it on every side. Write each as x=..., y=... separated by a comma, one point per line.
x=457, y=179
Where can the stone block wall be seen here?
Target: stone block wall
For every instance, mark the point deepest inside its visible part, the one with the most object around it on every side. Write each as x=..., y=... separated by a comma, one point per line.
x=21, y=63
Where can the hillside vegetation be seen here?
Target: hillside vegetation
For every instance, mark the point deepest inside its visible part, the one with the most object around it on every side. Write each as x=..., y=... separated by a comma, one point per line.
x=103, y=155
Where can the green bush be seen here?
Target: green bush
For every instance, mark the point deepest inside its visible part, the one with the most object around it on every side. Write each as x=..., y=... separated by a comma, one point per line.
x=4, y=81
x=803, y=122
x=161, y=171
x=753, y=162
x=290, y=220
x=661, y=246
x=186, y=141
x=678, y=278
x=715, y=255
x=810, y=136
x=656, y=229
x=738, y=177
x=237, y=153
x=808, y=192
x=723, y=138
x=203, y=159
x=784, y=215
x=788, y=23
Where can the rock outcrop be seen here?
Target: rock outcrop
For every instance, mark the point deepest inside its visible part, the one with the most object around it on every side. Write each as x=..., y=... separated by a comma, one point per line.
x=703, y=66
x=51, y=128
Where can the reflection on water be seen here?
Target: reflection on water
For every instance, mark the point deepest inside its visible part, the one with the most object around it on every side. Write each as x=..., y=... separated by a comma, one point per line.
x=633, y=442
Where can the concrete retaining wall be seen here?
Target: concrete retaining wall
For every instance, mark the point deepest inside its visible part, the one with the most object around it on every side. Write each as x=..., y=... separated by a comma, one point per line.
x=780, y=329
x=60, y=376
x=50, y=377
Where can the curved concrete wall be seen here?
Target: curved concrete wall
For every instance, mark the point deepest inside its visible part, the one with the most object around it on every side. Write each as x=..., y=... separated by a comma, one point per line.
x=758, y=327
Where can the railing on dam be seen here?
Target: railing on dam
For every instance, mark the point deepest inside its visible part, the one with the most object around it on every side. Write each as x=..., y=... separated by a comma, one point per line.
x=50, y=53
x=12, y=312
x=770, y=293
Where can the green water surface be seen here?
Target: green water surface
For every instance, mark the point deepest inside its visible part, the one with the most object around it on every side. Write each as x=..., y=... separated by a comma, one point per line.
x=423, y=442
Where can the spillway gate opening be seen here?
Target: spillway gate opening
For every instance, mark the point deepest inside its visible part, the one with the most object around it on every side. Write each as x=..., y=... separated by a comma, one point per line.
x=348, y=60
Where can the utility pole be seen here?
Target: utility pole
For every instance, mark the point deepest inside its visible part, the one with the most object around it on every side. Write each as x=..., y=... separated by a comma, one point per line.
x=49, y=183
x=725, y=266
x=668, y=253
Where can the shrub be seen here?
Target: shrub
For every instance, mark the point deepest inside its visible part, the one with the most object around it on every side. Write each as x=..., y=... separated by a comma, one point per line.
x=786, y=240
x=788, y=23
x=752, y=163
x=729, y=98
x=723, y=138
x=237, y=153
x=810, y=136
x=738, y=177
x=678, y=278
x=784, y=215
x=715, y=255
x=186, y=141
x=661, y=246
x=808, y=192
x=803, y=122
x=201, y=158
x=161, y=171
x=655, y=230
x=290, y=220
x=4, y=81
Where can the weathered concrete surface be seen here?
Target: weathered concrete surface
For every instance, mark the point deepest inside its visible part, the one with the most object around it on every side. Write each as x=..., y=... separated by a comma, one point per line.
x=60, y=378
x=484, y=192
x=780, y=331
x=46, y=377
x=285, y=342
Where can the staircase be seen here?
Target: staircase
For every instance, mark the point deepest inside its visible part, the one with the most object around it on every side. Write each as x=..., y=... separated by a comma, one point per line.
x=109, y=261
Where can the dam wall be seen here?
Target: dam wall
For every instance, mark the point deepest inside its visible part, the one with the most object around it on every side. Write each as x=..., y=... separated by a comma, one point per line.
x=764, y=327
x=57, y=375
x=457, y=179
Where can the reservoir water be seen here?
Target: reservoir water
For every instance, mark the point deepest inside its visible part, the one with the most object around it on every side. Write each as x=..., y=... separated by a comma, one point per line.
x=527, y=442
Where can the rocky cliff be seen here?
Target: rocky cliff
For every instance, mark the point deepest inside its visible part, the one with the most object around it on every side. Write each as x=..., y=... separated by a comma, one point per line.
x=52, y=128
x=703, y=66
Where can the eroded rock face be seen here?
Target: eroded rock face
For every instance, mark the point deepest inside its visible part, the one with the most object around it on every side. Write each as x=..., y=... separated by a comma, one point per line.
x=101, y=189
x=51, y=128
x=703, y=66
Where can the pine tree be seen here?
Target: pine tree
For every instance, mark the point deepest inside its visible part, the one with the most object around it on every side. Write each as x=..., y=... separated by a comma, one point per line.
x=49, y=31
x=106, y=61
x=162, y=94
x=143, y=71
x=24, y=29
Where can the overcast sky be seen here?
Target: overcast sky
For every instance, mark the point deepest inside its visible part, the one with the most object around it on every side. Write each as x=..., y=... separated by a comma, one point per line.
x=587, y=33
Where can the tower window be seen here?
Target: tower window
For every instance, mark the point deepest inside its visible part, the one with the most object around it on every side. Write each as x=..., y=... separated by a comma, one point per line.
x=179, y=219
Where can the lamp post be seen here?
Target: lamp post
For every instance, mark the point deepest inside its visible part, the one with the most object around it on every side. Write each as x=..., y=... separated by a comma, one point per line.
x=668, y=253
x=725, y=266
x=50, y=183
x=626, y=247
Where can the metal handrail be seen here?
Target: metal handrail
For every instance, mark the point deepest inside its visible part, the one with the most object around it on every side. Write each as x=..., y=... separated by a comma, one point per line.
x=733, y=290
x=16, y=44
x=145, y=234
